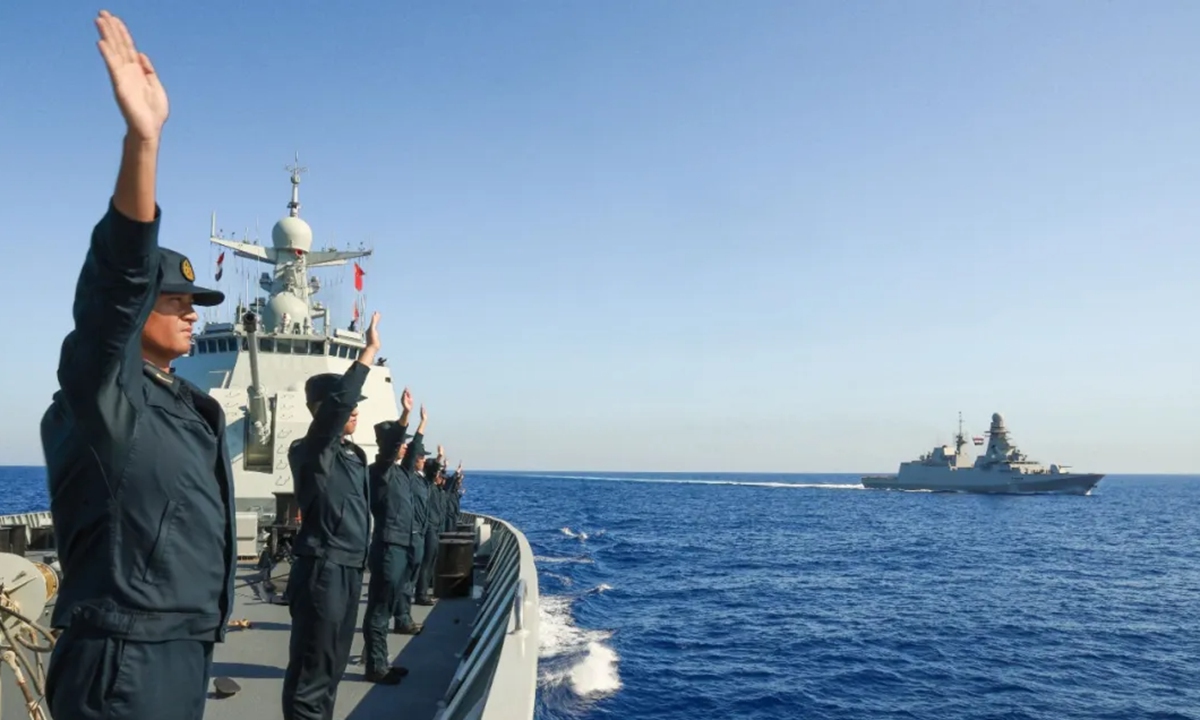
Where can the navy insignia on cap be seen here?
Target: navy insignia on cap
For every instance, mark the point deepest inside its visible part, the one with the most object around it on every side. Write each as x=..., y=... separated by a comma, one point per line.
x=185, y=267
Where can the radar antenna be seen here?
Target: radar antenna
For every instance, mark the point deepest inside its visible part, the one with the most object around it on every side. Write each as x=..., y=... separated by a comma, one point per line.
x=296, y=170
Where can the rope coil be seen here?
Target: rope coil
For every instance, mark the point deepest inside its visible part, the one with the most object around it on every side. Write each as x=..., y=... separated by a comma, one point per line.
x=19, y=639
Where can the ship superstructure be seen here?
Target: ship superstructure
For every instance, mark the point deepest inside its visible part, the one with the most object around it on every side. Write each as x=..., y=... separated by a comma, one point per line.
x=256, y=367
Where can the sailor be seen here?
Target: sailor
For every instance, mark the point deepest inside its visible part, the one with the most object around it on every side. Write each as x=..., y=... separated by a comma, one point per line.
x=391, y=550
x=138, y=471
x=402, y=609
x=329, y=473
x=420, y=500
x=449, y=519
x=437, y=504
x=453, y=487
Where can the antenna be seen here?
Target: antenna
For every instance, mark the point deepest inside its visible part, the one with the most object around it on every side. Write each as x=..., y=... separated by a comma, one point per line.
x=959, y=439
x=296, y=171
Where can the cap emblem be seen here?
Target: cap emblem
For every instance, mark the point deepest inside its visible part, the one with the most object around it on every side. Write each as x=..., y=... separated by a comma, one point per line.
x=185, y=267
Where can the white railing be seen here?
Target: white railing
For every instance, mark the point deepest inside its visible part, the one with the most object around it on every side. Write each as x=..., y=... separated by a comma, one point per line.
x=29, y=520
x=496, y=677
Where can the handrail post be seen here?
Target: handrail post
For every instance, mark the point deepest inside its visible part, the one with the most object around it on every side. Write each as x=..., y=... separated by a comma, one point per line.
x=519, y=607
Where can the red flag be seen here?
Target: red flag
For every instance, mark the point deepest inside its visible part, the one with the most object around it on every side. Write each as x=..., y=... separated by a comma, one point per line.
x=358, y=276
x=220, y=268
x=356, y=312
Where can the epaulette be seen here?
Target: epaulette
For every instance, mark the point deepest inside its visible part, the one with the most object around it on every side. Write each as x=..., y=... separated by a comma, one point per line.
x=155, y=373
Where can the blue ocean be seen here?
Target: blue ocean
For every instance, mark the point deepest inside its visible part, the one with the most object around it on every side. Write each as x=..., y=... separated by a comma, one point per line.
x=766, y=597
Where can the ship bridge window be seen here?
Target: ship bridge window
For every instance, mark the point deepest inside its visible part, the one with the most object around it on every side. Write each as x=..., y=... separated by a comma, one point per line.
x=225, y=345
x=343, y=351
x=333, y=349
x=266, y=344
x=316, y=348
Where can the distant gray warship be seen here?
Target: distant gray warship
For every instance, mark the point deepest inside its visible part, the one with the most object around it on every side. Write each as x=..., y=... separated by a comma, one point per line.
x=1001, y=469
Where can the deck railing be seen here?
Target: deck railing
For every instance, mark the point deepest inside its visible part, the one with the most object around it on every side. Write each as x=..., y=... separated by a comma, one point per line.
x=496, y=677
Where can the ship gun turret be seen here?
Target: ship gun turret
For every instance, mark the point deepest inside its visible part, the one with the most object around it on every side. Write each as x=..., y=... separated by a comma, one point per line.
x=259, y=434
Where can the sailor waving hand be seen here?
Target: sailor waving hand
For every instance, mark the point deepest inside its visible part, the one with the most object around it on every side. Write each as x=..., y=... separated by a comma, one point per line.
x=329, y=473
x=141, y=489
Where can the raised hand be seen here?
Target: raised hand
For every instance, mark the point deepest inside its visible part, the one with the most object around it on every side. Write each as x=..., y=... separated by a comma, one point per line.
x=423, y=415
x=373, y=331
x=406, y=400
x=140, y=94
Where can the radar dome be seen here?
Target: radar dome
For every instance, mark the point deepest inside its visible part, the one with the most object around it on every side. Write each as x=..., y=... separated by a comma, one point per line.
x=292, y=233
x=284, y=302
x=997, y=419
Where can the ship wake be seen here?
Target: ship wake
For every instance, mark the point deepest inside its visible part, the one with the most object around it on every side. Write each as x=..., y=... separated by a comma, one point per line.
x=685, y=481
x=577, y=666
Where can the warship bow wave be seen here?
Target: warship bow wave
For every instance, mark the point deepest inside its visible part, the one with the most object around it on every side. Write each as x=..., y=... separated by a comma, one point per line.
x=1003, y=468
x=477, y=655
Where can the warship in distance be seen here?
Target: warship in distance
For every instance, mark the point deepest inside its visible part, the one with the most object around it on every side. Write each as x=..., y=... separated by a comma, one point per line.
x=1002, y=469
x=477, y=656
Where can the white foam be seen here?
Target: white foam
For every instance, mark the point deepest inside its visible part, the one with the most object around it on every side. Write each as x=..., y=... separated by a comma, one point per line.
x=571, y=533
x=579, y=560
x=579, y=659
x=683, y=481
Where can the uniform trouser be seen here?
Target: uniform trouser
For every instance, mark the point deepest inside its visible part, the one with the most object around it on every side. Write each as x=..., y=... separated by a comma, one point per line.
x=403, y=612
x=385, y=593
x=93, y=675
x=425, y=578
x=324, y=607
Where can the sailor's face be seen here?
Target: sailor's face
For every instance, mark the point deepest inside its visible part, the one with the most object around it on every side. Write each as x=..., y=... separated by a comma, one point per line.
x=167, y=333
x=352, y=423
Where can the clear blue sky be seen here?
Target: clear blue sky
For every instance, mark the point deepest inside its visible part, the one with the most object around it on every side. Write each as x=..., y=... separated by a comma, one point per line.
x=793, y=236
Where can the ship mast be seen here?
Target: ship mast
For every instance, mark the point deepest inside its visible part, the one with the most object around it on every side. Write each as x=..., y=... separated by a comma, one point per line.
x=290, y=306
x=296, y=171
x=959, y=440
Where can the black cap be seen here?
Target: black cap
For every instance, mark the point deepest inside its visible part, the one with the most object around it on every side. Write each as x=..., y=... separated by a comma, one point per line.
x=319, y=387
x=180, y=277
x=382, y=430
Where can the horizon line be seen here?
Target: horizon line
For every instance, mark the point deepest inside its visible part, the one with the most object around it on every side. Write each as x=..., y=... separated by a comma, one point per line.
x=713, y=472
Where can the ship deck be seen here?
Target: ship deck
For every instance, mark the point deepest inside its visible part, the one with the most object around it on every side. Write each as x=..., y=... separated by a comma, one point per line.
x=255, y=657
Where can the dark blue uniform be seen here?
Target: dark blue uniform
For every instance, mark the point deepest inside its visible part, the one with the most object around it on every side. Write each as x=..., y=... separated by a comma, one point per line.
x=330, y=480
x=420, y=496
x=391, y=553
x=453, y=491
x=437, y=513
x=141, y=492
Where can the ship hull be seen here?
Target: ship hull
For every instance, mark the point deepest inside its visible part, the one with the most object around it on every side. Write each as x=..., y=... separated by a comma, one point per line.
x=968, y=482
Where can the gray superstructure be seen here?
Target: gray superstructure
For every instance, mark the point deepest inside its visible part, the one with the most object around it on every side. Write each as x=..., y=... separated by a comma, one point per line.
x=1002, y=468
